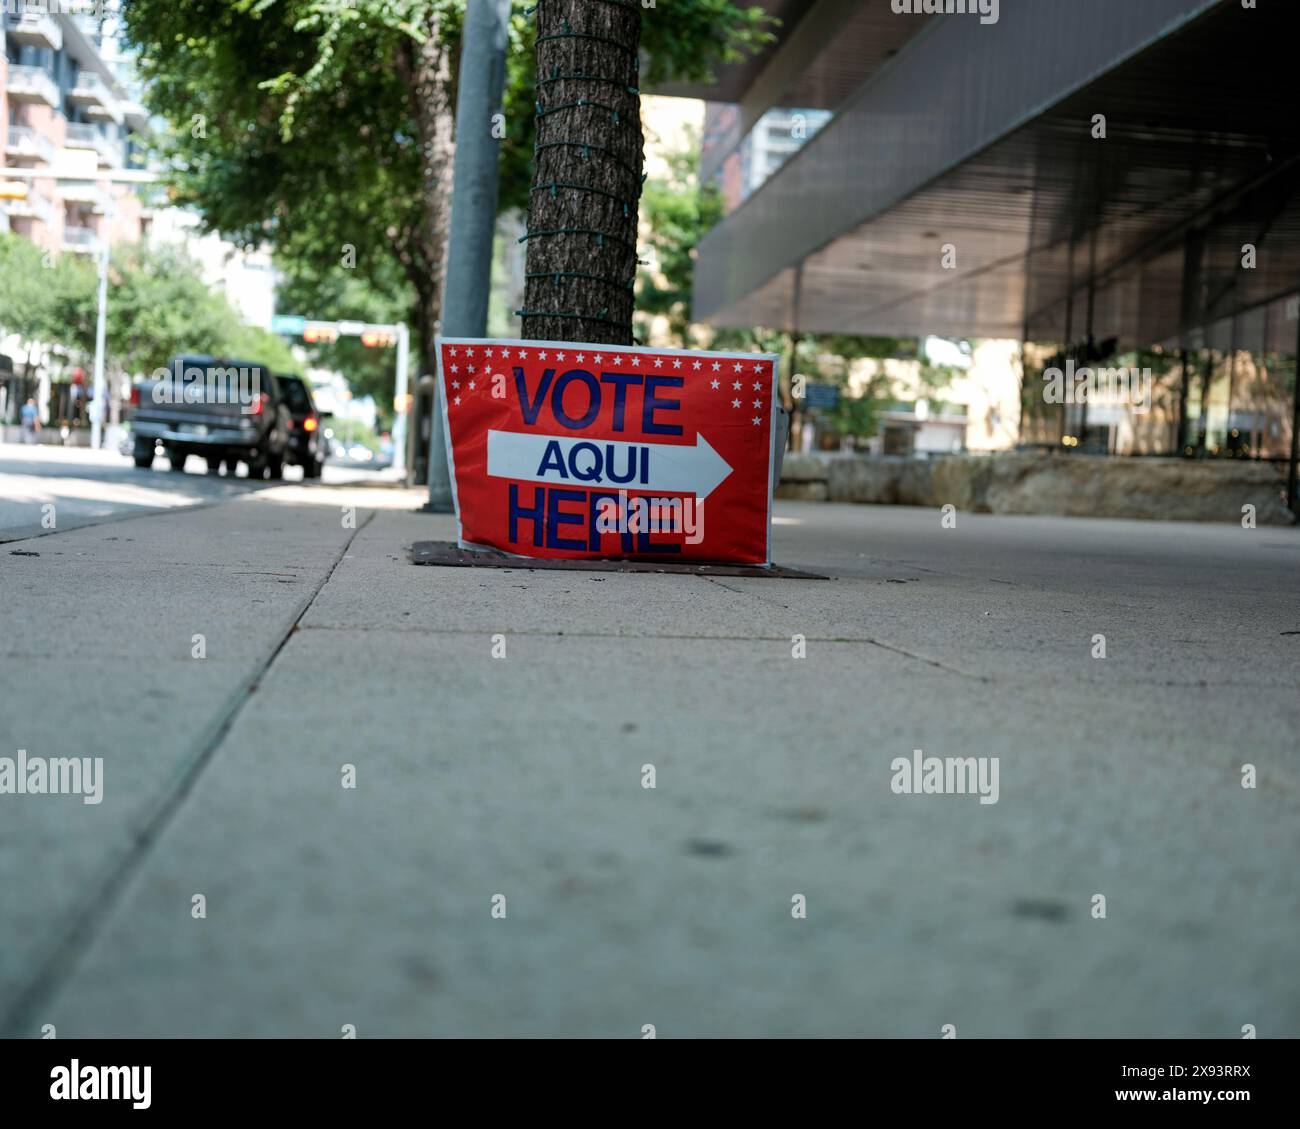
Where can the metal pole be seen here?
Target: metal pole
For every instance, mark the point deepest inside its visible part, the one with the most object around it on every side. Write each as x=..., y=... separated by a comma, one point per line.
x=399, y=422
x=473, y=203
x=1293, y=473
x=101, y=332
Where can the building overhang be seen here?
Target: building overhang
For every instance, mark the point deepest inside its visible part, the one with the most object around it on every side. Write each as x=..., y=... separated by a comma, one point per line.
x=962, y=191
x=824, y=51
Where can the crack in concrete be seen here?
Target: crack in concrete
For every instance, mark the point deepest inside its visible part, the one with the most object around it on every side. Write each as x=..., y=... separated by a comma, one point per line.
x=758, y=595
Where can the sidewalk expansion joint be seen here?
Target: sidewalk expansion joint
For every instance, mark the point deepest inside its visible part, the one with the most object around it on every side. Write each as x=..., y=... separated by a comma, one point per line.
x=763, y=597
x=858, y=641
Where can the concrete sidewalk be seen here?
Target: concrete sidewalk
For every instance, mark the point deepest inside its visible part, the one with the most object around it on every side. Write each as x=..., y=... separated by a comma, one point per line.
x=522, y=776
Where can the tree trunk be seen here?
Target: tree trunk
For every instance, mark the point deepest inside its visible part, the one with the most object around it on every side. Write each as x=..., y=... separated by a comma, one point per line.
x=426, y=332
x=582, y=216
x=426, y=70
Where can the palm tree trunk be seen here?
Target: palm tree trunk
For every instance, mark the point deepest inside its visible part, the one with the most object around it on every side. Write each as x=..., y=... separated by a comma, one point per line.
x=582, y=216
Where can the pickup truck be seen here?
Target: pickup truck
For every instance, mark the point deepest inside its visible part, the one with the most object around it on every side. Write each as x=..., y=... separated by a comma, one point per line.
x=225, y=410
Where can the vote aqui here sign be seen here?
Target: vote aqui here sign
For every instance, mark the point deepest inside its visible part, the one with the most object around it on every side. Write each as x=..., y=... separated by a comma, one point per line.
x=603, y=451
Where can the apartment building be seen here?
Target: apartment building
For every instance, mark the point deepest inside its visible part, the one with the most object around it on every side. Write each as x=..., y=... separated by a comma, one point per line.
x=741, y=165
x=64, y=107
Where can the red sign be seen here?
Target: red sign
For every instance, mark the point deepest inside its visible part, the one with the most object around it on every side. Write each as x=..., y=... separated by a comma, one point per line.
x=589, y=451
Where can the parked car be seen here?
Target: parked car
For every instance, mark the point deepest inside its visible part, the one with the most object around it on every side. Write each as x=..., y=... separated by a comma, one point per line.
x=227, y=411
x=307, y=445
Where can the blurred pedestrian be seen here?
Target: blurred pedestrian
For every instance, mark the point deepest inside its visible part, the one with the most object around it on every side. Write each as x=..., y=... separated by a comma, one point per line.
x=31, y=420
x=77, y=394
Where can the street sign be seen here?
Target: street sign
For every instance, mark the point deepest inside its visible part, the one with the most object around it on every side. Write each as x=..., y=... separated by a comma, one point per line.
x=565, y=450
x=826, y=396
x=288, y=324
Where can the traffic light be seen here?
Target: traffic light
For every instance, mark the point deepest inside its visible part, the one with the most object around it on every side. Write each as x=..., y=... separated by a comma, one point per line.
x=323, y=332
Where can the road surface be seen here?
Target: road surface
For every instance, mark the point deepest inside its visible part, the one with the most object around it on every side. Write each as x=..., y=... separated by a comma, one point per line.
x=87, y=486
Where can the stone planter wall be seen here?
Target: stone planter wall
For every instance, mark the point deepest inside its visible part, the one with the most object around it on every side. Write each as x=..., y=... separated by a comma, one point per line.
x=1072, y=486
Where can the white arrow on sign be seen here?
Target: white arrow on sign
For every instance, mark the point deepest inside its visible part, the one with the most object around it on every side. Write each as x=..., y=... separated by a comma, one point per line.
x=697, y=470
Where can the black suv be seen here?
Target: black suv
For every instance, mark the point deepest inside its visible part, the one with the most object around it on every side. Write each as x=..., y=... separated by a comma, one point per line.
x=307, y=444
x=227, y=411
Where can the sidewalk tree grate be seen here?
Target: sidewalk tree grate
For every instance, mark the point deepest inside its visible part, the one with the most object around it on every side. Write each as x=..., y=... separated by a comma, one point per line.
x=451, y=555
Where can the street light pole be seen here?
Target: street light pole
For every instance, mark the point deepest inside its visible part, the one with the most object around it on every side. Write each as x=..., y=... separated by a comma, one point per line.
x=473, y=204
x=401, y=414
x=101, y=333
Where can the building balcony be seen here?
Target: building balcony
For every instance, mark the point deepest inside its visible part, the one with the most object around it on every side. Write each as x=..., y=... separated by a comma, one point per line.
x=137, y=117
x=31, y=84
x=36, y=29
x=97, y=97
x=26, y=144
x=85, y=192
x=81, y=135
x=81, y=240
x=36, y=207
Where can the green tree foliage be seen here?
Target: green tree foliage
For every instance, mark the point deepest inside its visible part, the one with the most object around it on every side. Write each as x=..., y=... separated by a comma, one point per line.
x=324, y=125
x=688, y=42
x=677, y=212
x=159, y=307
x=342, y=296
x=301, y=123
x=45, y=298
x=857, y=415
